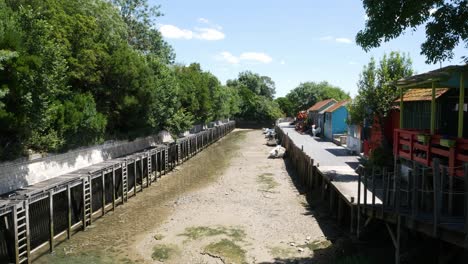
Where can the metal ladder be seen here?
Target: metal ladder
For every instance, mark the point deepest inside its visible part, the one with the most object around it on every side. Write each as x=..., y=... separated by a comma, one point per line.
x=150, y=177
x=22, y=234
x=124, y=183
x=88, y=209
x=166, y=159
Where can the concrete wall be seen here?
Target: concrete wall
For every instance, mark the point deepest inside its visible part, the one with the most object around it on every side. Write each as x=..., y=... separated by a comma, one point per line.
x=21, y=173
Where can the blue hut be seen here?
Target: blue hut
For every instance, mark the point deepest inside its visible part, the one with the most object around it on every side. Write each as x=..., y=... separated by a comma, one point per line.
x=315, y=113
x=335, y=119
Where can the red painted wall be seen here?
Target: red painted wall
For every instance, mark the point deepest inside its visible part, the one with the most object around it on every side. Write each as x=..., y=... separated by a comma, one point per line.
x=376, y=136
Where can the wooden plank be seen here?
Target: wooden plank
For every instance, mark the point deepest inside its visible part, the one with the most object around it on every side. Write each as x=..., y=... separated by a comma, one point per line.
x=436, y=205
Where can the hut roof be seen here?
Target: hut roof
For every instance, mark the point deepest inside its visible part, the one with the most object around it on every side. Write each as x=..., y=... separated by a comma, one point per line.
x=336, y=106
x=319, y=105
x=415, y=95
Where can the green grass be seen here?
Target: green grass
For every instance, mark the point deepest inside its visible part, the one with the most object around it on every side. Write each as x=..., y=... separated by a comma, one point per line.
x=315, y=245
x=227, y=250
x=163, y=252
x=194, y=233
x=282, y=252
x=267, y=182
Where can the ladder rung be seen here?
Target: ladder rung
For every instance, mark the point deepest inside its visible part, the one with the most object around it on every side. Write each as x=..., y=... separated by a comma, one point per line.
x=21, y=239
x=21, y=232
x=22, y=246
x=22, y=255
x=21, y=218
x=21, y=226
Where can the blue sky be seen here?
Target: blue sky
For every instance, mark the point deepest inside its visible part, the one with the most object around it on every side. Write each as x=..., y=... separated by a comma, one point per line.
x=291, y=41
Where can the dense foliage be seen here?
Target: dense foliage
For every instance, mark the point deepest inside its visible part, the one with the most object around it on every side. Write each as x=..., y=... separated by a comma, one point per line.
x=255, y=97
x=446, y=24
x=307, y=94
x=376, y=90
x=75, y=73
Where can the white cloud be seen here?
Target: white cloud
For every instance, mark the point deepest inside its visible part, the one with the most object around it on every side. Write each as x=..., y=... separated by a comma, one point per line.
x=170, y=31
x=209, y=34
x=245, y=56
x=228, y=57
x=282, y=62
x=366, y=17
x=352, y=62
x=206, y=33
x=203, y=20
x=343, y=40
x=432, y=11
x=256, y=56
x=326, y=38
x=339, y=40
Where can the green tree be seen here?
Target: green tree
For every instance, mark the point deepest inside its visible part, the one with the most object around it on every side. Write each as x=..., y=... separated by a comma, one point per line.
x=286, y=106
x=309, y=93
x=260, y=85
x=376, y=90
x=142, y=33
x=446, y=24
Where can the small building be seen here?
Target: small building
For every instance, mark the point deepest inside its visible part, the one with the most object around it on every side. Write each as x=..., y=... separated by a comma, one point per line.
x=433, y=118
x=335, y=119
x=316, y=112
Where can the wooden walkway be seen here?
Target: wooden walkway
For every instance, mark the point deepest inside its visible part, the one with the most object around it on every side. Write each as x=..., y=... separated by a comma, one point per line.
x=335, y=163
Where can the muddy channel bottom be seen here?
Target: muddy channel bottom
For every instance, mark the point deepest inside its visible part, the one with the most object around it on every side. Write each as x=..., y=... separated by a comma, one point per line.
x=111, y=237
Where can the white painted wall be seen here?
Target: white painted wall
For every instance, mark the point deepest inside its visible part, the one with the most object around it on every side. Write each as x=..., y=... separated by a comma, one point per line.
x=17, y=174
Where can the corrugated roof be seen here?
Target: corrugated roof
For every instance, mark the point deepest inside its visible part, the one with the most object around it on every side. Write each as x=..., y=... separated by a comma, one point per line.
x=319, y=105
x=415, y=95
x=336, y=106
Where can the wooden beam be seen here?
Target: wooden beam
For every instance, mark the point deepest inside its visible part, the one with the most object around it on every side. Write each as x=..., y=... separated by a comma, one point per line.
x=461, y=104
x=401, y=106
x=433, y=109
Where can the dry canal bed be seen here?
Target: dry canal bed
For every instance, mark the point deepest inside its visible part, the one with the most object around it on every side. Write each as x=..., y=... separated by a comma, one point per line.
x=228, y=204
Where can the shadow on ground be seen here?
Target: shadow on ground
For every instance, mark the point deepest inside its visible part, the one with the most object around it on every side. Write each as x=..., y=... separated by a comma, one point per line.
x=344, y=248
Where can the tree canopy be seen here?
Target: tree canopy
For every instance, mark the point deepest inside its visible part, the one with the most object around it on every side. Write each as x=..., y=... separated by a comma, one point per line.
x=255, y=94
x=74, y=73
x=376, y=91
x=446, y=24
x=309, y=93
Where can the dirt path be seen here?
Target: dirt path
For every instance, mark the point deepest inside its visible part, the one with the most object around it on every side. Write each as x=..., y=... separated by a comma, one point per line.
x=251, y=214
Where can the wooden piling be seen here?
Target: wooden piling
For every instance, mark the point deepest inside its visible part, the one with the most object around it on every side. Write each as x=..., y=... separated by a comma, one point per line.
x=103, y=196
x=436, y=182
x=51, y=221
x=69, y=212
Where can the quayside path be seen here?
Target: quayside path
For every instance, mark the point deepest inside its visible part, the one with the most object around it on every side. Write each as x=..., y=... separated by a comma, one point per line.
x=335, y=163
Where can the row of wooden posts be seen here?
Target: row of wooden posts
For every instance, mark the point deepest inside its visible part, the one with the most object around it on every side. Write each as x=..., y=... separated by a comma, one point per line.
x=429, y=200
x=310, y=177
x=38, y=216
